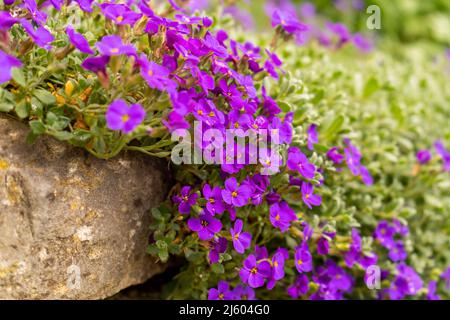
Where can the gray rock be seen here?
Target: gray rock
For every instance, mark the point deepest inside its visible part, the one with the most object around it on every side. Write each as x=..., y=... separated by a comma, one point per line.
x=73, y=226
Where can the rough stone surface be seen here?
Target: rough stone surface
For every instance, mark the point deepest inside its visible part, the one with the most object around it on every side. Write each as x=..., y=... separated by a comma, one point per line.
x=73, y=226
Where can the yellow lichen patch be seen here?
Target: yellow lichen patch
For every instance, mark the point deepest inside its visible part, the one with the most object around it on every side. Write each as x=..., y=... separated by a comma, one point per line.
x=91, y=215
x=4, y=272
x=61, y=289
x=74, y=206
x=3, y=164
x=94, y=253
x=15, y=192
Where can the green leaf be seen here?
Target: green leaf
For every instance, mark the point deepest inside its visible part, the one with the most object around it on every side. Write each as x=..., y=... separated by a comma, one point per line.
x=371, y=86
x=19, y=77
x=6, y=107
x=22, y=109
x=62, y=135
x=334, y=127
x=37, y=127
x=45, y=96
x=218, y=268
x=285, y=106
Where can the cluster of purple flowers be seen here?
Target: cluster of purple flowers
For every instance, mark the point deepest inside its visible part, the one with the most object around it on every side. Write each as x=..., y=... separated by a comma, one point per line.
x=284, y=14
x=424, y=156
x=352, y=156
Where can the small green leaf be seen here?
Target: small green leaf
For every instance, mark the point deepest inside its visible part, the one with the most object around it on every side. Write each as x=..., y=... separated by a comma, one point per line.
x=22, y=109
x=44, y=96
x=334, y=127
x=19, y=77
x=62, y=135
x=37, y=127
x=6, y=107
x=371, y=86
x=218, y=268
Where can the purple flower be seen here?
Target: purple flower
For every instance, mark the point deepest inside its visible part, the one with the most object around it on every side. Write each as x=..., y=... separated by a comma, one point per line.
x=288, y=21
x=281, y=215
x=85, y=5
x=363, y=44
x=78, y=41
x=254, y=273
x=175, y=121
x=354, y=252
x=278, y=261
x=307, y=10
x=235, y=195
x=431, y=295
x=299, y=162
x=309, y=198
x=300, y=286
x=185, y=199
x=41, y=36
x=96, y=64
x=121, y=117
x=217, y=247
x=241, y=240
x=6, y=20
x=222, y=292
x=214, y=202
x=397, y=251
x=57, y=4
x=312, y=136
x=38, y=16
x=244, y=293
x=366, y=176
x=407, y=282
x=445, y=155
x=205, y=225
x=384, y=233
x=157, y=76
x=7, y=62
x=113, y=46
x=446, y=276
x=423, y=156
x=335, y=156
x=340, y=30
x=323, y=246
x=400, y=228
x=303, y=258
x=120, y=13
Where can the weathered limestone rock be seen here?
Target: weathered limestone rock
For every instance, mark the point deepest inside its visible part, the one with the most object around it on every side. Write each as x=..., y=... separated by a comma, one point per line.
x=73, y=226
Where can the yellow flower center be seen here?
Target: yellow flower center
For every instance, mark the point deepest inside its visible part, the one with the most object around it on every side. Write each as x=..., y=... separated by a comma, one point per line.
x=150, y=73
x=254, y=270
x=125, y=118
x=114, y=50
x=211, y=114
x=236, y=125
x=299, y=262
x=200, y=112
x=119, y=19
x=211, y=200
x=234, y=194
x=277, y=217
x=275, y=264
x=221, y=296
